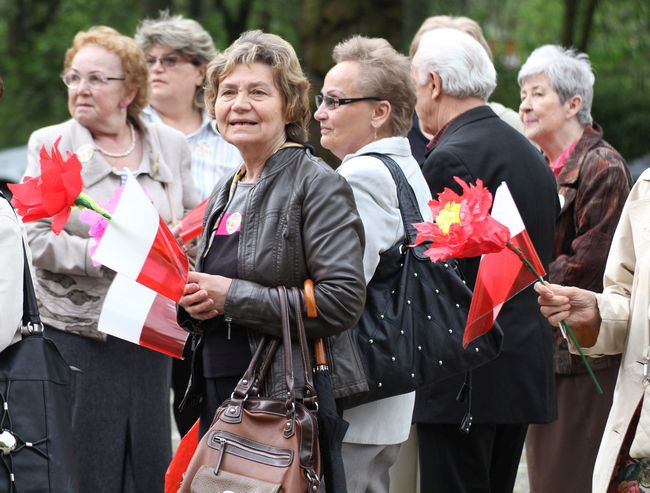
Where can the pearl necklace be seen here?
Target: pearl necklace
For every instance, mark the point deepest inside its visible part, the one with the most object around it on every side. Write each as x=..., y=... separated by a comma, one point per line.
x=120, y=154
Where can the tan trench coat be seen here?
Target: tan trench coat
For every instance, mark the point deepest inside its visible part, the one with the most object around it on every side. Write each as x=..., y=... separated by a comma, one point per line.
x=70, y=289
x=623, y=307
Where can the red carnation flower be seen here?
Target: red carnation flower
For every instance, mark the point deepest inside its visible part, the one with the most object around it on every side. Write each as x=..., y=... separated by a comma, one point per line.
x=462, y=225
x=54, y=192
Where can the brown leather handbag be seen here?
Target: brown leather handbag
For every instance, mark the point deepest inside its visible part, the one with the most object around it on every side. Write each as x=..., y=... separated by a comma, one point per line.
x=262, y=444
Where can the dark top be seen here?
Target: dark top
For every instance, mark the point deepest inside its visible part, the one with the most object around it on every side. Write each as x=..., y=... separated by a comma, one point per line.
x=226, y=351
x=519, y=385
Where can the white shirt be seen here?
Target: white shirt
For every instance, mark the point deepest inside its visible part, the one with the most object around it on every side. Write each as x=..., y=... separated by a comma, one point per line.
x=386, y=421
x=212, y=156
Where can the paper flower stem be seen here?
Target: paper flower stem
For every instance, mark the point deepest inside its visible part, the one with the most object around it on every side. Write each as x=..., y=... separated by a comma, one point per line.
x=87, y=202
x=564, y=325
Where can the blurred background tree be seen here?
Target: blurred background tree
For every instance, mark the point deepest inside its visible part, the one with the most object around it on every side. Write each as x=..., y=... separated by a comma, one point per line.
x=34, y=35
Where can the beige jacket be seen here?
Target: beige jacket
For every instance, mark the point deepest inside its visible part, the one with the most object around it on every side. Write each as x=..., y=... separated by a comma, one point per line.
x=69, y=288
x=624, y=308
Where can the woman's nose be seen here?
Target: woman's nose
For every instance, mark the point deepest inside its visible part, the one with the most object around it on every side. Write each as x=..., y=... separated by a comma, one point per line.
x=241, y=100
x=320, y=114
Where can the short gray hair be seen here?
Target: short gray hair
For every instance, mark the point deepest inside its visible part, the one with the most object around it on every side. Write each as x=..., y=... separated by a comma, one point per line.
x=179, y=34
x=461, y=62
x=569, y=71
x=384, y=74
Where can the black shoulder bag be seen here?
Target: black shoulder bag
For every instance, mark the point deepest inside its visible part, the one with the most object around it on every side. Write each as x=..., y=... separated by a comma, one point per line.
x=411, y=331
x=36, y=447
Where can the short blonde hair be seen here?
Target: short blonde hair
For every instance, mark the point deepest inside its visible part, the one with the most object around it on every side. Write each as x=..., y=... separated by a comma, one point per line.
x=384, y=74
x=270, y=49
x=465, y=24
x=130, y=55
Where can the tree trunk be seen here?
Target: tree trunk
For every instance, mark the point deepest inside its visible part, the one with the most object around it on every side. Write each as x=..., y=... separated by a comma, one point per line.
x=570, y=17
x=587, y=24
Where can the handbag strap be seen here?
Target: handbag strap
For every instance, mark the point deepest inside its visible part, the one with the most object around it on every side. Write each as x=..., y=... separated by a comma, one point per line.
x=408, y=202
x=31, y=322
x=309, y=391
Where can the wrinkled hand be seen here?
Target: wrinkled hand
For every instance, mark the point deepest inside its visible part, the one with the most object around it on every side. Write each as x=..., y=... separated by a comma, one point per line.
x=577, y=307
x=205, y=295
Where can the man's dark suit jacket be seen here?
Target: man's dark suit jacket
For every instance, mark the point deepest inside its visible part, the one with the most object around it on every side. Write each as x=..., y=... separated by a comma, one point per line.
x=519, y=385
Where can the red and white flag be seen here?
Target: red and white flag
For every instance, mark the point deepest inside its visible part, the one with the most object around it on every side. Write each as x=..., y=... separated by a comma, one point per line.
x=501, y=275
x=191, y=224
x=138, y=244
x=139, y=315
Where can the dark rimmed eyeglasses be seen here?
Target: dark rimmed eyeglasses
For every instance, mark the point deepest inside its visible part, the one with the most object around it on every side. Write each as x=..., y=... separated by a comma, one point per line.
x=94, y=80
x=331, y=103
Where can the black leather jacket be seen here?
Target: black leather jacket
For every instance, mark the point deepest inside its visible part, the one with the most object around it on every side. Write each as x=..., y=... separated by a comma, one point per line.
x=301, y=222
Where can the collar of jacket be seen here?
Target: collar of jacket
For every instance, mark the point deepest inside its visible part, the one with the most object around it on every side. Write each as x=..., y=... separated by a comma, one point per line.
x=591, y=137
x=452, y=126
x=97, y=168
x=222, y=192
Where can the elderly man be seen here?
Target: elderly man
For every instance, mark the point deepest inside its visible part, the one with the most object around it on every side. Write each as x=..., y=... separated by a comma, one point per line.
x=454, y=77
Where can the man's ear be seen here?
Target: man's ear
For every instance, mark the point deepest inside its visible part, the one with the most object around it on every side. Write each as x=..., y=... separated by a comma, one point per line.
x=435, y=82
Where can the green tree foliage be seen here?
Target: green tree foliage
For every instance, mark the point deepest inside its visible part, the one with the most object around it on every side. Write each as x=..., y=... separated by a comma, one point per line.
x=34, y=35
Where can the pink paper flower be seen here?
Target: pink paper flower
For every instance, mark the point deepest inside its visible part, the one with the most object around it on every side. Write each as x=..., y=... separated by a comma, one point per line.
x=98, y=223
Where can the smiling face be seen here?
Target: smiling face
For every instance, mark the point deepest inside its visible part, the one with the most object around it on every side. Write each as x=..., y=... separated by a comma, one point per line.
x=249, y=109
x=99, y=106
x=541, y=111
x=346, y=129
x=169, y=83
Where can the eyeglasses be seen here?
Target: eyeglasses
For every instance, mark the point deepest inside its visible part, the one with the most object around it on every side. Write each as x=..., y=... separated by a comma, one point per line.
x=331, y=103
x=94, y=81
x=168, y=61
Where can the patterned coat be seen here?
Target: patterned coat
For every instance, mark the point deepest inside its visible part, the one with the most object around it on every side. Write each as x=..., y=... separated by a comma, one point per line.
x=593, y=186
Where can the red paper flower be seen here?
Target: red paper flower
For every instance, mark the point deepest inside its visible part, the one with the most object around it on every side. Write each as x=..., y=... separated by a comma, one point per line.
x=51, y=194
x=462, y=225
x=54, y=192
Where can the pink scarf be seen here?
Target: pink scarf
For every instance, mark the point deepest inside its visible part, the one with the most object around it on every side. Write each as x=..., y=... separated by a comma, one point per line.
x=560, y=161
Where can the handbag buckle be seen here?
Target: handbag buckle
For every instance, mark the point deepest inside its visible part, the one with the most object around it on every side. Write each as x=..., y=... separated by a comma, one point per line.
x=31, y=328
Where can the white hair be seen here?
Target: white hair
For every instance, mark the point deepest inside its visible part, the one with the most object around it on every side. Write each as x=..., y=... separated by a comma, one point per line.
x=569, y=72
x=459, y=60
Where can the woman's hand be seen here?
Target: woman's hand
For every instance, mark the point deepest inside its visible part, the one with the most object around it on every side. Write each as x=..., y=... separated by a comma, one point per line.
x=205, y=295
x=577, y=307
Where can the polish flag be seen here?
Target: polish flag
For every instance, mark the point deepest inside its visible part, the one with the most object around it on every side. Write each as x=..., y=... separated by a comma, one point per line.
x=501, y=275
x=139, y=315
x=138, y=244
x=191, y=224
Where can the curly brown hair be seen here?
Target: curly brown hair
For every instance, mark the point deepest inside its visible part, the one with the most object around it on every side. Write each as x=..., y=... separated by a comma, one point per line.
x=270, y=49
x=131, y=56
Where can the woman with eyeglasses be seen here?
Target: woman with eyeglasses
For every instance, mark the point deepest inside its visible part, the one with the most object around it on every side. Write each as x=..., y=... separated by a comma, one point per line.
x=120, y=399
x=366, y=106
x=177, y=51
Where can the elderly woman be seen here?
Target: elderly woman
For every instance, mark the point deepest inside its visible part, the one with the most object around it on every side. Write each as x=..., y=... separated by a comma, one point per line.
x=365, y=106
x=177, y=52
x=616, y=322
x=282, y=217
x=121, y=418
x=593, y=183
